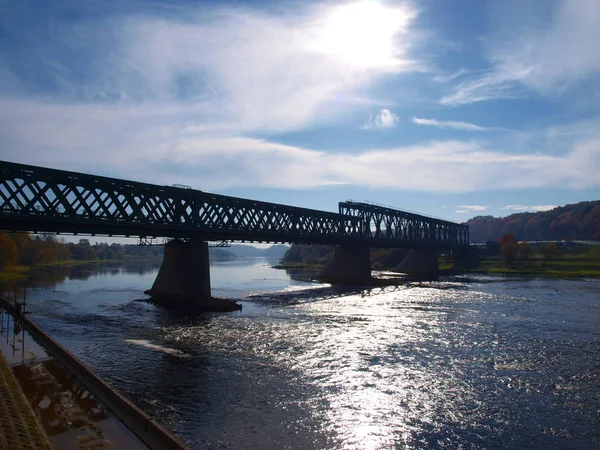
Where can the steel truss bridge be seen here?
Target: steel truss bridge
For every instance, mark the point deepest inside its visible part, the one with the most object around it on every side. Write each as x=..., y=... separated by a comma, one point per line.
x=40, y=199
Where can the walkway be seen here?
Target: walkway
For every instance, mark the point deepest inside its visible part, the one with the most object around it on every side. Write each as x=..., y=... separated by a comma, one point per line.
x=19, y=427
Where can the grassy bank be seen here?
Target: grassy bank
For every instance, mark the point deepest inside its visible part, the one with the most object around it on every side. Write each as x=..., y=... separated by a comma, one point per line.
x=580, y=262
x=19, y=272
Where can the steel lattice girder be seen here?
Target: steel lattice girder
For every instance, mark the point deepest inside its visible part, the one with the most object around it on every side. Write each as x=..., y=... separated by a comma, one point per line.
x=41, y=199
x=388, y=227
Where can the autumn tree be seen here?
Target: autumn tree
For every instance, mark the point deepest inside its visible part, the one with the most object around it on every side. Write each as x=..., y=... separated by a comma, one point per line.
x=45, y=255
x=61, y=252
x=21, y=240
x=8, y=251
x=82, y=250
x=28, y=254
x=548, y=251
x=524, y=251
x=509, y=248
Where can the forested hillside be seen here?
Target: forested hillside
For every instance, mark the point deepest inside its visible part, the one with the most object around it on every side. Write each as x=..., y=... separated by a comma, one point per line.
x=321, y=255
x=579, y=221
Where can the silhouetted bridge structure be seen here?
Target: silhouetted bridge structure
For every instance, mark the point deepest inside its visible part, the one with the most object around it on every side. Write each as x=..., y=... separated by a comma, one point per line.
x=40, y=199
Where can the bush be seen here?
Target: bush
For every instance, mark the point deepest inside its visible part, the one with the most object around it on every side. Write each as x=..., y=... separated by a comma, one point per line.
x=8, y=251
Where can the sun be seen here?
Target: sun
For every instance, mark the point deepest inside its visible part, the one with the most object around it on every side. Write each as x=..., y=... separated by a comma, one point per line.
x=364, y=34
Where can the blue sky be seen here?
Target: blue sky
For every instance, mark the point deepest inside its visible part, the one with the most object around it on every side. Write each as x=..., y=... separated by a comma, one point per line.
x=451, y=109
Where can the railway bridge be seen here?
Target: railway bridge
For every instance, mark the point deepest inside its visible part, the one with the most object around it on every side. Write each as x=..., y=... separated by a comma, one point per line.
x=39, y=199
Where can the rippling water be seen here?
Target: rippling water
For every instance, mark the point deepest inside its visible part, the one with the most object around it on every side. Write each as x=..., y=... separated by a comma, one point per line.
x=478, y=362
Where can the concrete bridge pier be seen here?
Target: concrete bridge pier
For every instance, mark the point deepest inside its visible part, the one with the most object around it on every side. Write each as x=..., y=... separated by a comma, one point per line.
x=351, y=264
x=183, y=281
x=422, y=262
x=465, y=257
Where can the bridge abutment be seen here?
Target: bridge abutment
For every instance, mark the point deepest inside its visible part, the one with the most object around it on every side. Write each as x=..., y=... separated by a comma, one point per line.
x=420, y=263
x=351, y=264
x=183, y=280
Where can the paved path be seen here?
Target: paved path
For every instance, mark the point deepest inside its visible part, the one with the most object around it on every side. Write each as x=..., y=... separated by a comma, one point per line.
x=20, y=429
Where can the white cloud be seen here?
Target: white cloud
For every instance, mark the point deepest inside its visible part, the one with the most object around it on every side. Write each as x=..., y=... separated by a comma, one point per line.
x=449, y=77
x=474, y=207
x=466, y=126
x=242, y=69
x=384, y=119
x=182, y=101
x=468, y=209
x=530, y=208
x=548, y=59
x=147, y=143
x=487, y=87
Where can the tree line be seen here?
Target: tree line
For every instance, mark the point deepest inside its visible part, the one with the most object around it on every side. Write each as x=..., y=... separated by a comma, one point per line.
x=33, y=250
x=511, y=250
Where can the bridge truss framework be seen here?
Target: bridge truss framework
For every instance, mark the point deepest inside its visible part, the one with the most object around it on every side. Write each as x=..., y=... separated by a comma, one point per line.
x=48, y=200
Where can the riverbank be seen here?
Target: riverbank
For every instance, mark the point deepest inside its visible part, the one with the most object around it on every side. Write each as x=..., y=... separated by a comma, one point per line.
x=584, y=264
x=20, y=272
x=580, y=262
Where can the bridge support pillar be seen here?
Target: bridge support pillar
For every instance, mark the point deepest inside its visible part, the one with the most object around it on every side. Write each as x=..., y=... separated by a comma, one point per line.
x=183, y=281
x=351, y=264
x=420, y=263
x=465, y=257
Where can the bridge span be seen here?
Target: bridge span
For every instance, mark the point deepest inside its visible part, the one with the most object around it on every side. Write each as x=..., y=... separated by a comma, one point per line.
x=39, y=199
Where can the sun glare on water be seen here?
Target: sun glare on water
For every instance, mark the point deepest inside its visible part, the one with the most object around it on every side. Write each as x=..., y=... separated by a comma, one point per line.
x=364, y=34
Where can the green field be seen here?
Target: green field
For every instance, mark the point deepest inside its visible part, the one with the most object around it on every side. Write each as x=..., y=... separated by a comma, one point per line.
x=580, y=261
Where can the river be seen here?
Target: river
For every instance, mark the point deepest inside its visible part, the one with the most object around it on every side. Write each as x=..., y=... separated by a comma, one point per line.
x=465, y=362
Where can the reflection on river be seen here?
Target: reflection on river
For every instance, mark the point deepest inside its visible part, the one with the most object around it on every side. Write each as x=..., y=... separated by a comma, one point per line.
x=476, y=363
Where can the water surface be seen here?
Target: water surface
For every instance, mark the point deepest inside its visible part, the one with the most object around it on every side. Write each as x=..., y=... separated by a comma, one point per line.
x=478, y=362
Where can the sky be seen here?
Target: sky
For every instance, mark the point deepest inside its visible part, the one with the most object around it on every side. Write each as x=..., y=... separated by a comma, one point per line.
x=451, y=109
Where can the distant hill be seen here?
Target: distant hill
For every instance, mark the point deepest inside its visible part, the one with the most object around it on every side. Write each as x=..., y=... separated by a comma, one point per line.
x=220, y=254
x=579, y=221
x=245, y=251
x=274, y=252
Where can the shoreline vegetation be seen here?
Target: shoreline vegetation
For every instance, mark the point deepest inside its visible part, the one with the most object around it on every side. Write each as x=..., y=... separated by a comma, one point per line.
x=22, y=253
x=561, y=267
x=562, y=261
x=20, y=272
x=551, y=259
x=579, y=265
